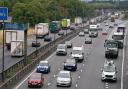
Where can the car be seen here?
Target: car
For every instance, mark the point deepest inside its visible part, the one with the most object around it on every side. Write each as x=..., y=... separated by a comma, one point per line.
x=88, y=40
x=104, y=32
x=35, y=44
x=86, y=31
x=106, y=24
x=109, y=71
x=36, y=80
x=111, y=26
x=64, y=78
x=70, y=64
x=81, y=34
x=47, y=38
x=69, y=44
x=43, y=67
x=61, y=49
x=78, y=53
x=115, y=24
x=60, y=32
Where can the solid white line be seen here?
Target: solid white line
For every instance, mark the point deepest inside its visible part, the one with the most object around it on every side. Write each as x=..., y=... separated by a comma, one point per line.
x=122, y=74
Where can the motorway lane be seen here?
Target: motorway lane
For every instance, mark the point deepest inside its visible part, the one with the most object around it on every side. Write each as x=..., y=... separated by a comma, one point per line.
x=9, y=61
x=56, y=66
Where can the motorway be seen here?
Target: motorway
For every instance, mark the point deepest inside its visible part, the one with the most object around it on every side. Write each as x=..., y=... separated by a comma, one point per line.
x=88, y=74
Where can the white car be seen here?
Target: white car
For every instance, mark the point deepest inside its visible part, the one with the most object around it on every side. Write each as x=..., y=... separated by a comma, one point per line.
x=106, y=24
x=61, y=49
x=64, y=78
x=109, y=71
x=81, y=34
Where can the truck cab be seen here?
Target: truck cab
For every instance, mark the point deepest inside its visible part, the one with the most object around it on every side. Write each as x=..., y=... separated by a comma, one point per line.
x=93, y=31
x=111, y=49
x=121, y=28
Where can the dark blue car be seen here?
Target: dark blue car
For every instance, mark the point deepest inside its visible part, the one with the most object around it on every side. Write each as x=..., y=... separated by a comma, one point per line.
x=70, y=65
x=43, y=67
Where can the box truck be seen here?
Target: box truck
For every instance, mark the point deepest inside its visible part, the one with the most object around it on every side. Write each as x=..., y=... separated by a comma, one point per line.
x=78, y=21
x=54, y=26
x=17, y=48
x=41, y=30
x=65, y=23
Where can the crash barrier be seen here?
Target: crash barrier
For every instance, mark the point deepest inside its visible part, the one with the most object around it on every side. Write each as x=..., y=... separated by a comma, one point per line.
x=41, y=54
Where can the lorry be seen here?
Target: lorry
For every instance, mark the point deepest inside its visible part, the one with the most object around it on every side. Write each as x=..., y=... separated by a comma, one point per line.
x=78, y=21
x=92, y=21
x=41, y=30
x=93, y=31
x=111, y=49
x=54, y=26
x=17, y=48
x=112, y=18
x=121, y=28
x=65, y=24
x=13, y=35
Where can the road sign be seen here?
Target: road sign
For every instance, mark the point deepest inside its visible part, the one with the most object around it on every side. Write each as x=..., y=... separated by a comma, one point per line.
x=15, y=26
x=3, y=13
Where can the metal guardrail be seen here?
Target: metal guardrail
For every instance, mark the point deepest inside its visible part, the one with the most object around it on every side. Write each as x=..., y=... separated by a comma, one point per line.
x=43, y=53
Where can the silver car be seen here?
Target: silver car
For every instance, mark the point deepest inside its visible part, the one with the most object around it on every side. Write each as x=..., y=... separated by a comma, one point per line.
x=61, y=49
x=64, y=78
x=81, y=34
x=88, y=40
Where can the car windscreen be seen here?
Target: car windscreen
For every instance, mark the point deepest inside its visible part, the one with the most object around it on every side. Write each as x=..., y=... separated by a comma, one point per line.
x=64, y=75
x=111, y=45
x=92, y=29
x=117, y=37
x=43, y=64
x=70, y=62
x=109, y=68
x=77, y=52
x=61, y=47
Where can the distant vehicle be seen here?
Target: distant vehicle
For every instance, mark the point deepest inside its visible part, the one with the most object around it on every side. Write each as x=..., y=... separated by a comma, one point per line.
x=61, y=32
x=36, y=44
x=36, y=80
x=112, y=18
x=109, y=71
x=81, y=34
x=88, y=40
x=115, y=24
x=41, y=30
x=86, y=31
x=78, y=53
x=70, y=64
x=64, y=78
x=17, y=48
x=47, y=38
x=55, y=26
x=43, y=67
x=93, y=31
x=65, y=24
x=61, y=49
x=69, y=44
x=110, y=26
x=104, y=32
x=111, y=49
x=78, y=21
x=118, y=37
x=106, y=24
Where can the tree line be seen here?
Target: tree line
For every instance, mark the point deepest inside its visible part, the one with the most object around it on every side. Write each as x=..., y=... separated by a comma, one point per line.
x=35, y=11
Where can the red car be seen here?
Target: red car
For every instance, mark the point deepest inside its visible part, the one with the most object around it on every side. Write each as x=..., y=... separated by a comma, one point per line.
x=36, y=80
x=104, y=33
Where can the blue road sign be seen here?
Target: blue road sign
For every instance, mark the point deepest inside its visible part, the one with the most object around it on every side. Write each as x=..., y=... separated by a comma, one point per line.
x=3, y=13
x=15, y=26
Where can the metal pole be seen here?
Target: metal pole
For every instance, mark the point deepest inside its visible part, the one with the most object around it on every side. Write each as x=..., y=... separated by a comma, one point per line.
x=3, y=55
x=36, y=39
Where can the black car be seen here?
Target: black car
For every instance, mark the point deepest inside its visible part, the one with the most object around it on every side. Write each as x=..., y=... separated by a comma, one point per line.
x=35, y=44
x=47, y=38
x=70, y=64
x=68, y=44
x=88, y=40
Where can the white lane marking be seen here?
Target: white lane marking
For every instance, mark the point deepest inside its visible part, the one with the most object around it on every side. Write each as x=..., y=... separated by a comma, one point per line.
x=32, y=72
x=35, y=69
x=122, y=74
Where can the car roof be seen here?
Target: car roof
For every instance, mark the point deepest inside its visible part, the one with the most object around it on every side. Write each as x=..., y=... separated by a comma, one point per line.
x=78, y=48
x=36, y=75
x=64, y=71
x=61, y=44
x=70, y=60
x=118, y=33
x=43, y=61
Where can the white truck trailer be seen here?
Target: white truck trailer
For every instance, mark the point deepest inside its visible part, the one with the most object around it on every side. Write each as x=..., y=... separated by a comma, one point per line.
x=41, y=30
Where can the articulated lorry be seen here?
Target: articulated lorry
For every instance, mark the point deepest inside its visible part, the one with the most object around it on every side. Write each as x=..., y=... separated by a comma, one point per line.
x=41, y=30
x=65, y=24
x=54, y=26
x=17, y=48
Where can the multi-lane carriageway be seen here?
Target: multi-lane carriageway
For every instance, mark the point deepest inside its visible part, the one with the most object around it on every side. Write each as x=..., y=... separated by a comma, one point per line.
x=88, y=74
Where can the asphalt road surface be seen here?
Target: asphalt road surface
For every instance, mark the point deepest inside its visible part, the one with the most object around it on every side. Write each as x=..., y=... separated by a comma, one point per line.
x=88, y=74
